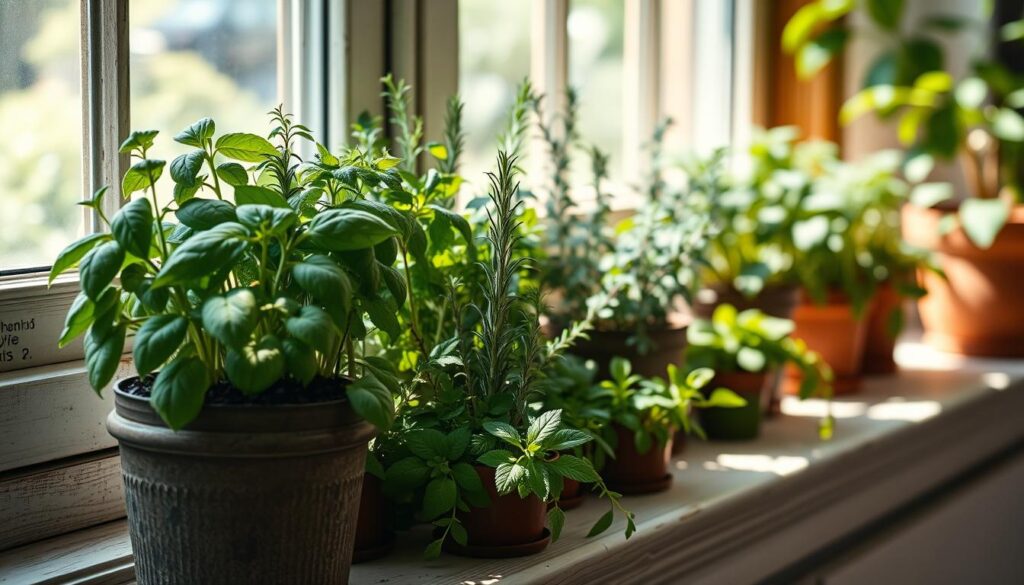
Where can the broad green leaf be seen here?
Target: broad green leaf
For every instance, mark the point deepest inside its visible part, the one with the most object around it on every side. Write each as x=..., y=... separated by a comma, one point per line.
x=564, y=439
x=508, y=477
x=157, y=340
x=496, y=457
x=544, y=426
x=203, y=214
x=699, y=378
x=73, y=254
x=300, y=359
x=574, y=467
x=800, y=26
x=602, y=524
x=407, y=474
x=233, y=174
x=257, y=366
x=133, y=227
x=982, y=219
x=372, y=401
x=1012, y=31
x=467, y=477
x=724, y=398
x=971, y=92
x=438, y=150
x=556, y=520
x=1008, y=125
x=103, y=354
x=245, y=147
x=313, y=327
x=886, y=13
x=185, y=168
x=928, y=194
x=254, y=195
x=620, y=369
x=751, y=359
x=326, y=282
x=340, y=230
x=231, y=318
x=266, y=218
x=205, y=253
x=384, y=314
x=197, y=134
x=504, y=431
x=82, y=313
x=814, y=55
x=142, y=175
x=99, y=267
x=460, y=223
x=459, y=533
x=138, y=140
x=179, y=391
x=433, y=549
x=438, y=498
x=427, y=443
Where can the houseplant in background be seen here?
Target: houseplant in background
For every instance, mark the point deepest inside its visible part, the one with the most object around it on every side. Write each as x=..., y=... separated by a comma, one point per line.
x=745, y=350
x=976, y=309
x=246, y=407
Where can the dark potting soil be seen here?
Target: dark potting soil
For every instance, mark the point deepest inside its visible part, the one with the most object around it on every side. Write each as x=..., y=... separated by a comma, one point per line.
x=283, y=392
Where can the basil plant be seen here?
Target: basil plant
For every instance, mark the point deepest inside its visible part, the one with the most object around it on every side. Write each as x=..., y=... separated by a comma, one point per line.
x=257, y=273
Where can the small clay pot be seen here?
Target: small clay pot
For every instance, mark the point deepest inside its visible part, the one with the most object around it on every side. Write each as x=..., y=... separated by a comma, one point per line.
x=977, y=309
x=631, y=472
x=510, y=527
x=835, y=332
x=572, y=495
x=777, y=300
x=604, y=345
x=880, y=344
x=374, y=538
x=736, y=424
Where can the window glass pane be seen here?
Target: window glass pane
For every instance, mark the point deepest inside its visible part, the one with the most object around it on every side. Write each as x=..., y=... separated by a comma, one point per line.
x=494, y=56
x=41, y=118
x=596, y=31
x=196, y=58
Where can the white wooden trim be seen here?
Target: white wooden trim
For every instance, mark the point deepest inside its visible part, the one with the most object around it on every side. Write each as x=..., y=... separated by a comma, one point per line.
x=549, y=55
x=51, y=500
x=640, y=86
x=675, y=71
x=747, y=107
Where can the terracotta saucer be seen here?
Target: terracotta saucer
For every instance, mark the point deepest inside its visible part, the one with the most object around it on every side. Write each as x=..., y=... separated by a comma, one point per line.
x=376, y=552
x=646, y=487
x=499, y=552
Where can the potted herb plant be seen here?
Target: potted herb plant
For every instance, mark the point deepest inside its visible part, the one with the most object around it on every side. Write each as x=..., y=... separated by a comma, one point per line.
x=975, y=310
x=245, y=425
x=745, y=349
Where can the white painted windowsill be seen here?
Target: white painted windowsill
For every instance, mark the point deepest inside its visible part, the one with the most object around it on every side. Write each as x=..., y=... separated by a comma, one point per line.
x=736, y=511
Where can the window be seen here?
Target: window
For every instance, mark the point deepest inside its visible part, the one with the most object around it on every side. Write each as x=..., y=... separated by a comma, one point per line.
x=41, y=114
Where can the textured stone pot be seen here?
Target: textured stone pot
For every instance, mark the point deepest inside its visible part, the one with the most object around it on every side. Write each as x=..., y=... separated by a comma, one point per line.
x=631, y=472
x=602, y=346
x=510, y=527
x=977, y=309
x=775, y=300
x=244, y=494
x=736, y=424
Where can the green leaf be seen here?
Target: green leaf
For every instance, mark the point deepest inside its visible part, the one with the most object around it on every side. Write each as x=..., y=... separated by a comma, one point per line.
x=138, y=140
x=267, y=219
x=99, y=267
x=574, y=467
x=313, y=327
x=102, y=355
x=384, y=314
x=73, y=254
x=724, y=398
x=197, y=134
x=1008, y=125
x=395, y=282
x=179, y=391
x=203, y=214
x=929, y=194
x=505, y=432
x=257, y=366
x=133, y=227
x=142, y=175
x=245, y=147
x=437, y=150
x=407, y=474
x=157, y=340
x=566, y=439
x=372, y=400
x=602, y=524
x=438, y=498
x=233, y=174
x=884, y=69
x=458, y=441
x=80, y=316
x=620, y=368
x=460, y=224
x=751, y=359
x=816, y=54
x=300, y=359
x=253, y=195
x=205, y=253
x=496, y=457
x=467, y=477
x=427, y=443
x=699, y=378
x=231, y=318
x=886, y=13
x=1012, y=31
x=433, y=549
x=800, y=26
x=544, y=426
x=556, y=520
x=340, y=230
x=326, y=282
x=459, y=533
x=982, y=219
x=185, y=168
x=508, y=477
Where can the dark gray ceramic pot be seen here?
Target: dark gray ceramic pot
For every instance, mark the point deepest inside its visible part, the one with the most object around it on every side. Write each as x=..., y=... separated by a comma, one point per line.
x=244, y=494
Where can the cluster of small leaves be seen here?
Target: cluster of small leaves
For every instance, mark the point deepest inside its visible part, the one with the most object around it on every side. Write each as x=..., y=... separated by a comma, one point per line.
x=253, y=285
x=750, y=341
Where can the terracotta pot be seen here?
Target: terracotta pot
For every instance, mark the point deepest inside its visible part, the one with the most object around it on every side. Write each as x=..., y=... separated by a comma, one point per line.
x=245, y=494
x=510, y=527
x=775, y=300
x=572, y=495
x=880, y=343
x=679, y=442
x=837, y=335
x=637, y=473
x=978, y=308
x=736, y=424
x=374, y=538
x=605, y=345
